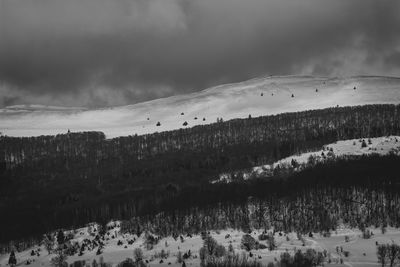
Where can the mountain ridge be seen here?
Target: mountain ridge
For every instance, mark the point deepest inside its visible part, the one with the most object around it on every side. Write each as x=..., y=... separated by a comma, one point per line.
x=255, y=97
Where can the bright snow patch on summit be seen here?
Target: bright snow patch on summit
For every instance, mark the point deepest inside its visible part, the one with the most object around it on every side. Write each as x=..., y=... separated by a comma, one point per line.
x=257, y=97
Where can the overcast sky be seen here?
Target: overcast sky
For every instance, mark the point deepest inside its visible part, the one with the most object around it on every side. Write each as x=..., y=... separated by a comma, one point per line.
x=97, y=53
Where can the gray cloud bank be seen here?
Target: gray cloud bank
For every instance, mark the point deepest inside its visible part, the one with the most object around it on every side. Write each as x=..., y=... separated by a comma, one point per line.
x=100, y=52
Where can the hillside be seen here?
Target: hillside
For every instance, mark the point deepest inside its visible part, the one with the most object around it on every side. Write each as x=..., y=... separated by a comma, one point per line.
x=352, y=147
x=165, y=252
x=72, y=179
x=316, y=201
x=256, y=97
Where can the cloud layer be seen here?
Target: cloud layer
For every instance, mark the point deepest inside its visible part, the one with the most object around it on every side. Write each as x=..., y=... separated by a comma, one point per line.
x=98, y=53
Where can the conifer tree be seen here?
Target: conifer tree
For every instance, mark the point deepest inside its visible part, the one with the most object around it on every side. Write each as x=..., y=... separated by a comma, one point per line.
x=12, y=261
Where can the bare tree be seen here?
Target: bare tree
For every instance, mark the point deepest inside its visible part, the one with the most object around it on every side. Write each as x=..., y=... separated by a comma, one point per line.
x=382, y=253
x=138, y=254
x=48, y=242
x=60, y=260
x=393, y=254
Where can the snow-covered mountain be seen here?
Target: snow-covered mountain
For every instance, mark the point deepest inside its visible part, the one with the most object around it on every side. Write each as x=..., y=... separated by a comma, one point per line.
x=256, y=97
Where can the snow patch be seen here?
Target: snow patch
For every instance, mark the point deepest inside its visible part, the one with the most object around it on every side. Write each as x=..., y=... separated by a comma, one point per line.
x=364, y=146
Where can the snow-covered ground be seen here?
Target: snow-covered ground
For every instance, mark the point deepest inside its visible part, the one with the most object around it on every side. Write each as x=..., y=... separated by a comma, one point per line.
x=261, y=96
x=362, y=251
x=379, y=145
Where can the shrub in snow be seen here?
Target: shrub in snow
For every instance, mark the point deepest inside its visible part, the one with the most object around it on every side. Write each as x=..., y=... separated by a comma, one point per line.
x=263, y=237
x=138, y=254
x=294, y=163
x=220, y=251
x=187, y=255
x=210, y=244
x=367, y=234
x=271, y=243
x=179, y=258
x=48, y=242
x=308, y=258
x=232, y=260
x=202, y=255
x=60, y=237
x=150, y=241
x=130, y=263
x=161, y=255
x=363, y=144
x=248, y=242
x=60, y=260
x=71, y=248
x=79, y=264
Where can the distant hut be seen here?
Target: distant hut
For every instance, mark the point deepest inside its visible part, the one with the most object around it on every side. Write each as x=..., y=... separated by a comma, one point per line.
x=292, y=95
x=182, y=113
x=204, y=119
x=195, y=118
x=158, y=124
x=262, y=94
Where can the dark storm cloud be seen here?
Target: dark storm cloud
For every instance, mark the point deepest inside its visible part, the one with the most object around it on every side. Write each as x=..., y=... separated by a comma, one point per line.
x=100, y=52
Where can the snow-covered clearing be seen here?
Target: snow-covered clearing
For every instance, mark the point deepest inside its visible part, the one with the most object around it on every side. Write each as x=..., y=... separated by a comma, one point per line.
x=361, y=251
x=258, y=97
x=363, y=146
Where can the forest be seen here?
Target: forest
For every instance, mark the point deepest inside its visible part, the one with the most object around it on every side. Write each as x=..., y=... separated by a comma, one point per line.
x=71, y=179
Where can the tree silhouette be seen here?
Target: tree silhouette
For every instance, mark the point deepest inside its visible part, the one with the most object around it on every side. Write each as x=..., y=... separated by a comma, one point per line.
x=12, y=261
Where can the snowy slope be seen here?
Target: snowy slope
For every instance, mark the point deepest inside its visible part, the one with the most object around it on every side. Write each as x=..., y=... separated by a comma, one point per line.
x=114, y=253
x=261, y=96
x=379, y=145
